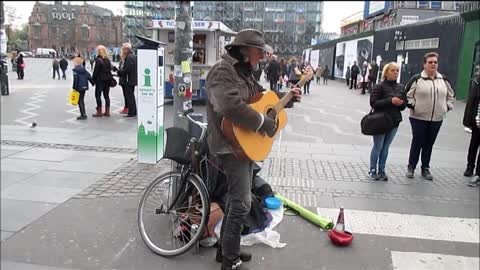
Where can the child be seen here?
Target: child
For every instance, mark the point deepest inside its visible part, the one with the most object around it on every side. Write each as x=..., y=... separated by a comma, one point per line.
x=81, y=77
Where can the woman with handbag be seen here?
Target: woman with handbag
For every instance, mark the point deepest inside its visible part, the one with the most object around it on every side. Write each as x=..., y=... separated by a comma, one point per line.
x=20, y=66
x=389, y=98
x=103, y=79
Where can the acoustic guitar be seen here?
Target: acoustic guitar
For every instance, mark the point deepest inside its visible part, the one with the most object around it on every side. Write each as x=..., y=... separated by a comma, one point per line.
x=250, y=145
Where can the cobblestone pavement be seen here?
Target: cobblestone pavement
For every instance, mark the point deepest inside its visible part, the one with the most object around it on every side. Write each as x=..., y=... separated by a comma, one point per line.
x=301, y=180
x=69, y=146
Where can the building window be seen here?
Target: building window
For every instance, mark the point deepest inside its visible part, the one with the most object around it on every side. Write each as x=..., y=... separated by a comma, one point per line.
x=436, y=4
x=430, y=43
x=36, y=32
x=399, y=45
x=85, y=32
x=423, y=4
x=387, y=46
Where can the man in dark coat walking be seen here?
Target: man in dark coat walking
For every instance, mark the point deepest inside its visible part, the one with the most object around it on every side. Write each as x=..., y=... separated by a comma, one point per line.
x=471, y=119
x=273, y=73
x=63, y=67
x=355, y=70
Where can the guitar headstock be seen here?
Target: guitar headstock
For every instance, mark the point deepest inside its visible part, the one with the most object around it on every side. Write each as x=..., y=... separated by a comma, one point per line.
x=307, y=76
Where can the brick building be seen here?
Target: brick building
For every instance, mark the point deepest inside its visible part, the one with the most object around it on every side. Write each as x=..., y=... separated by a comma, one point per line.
x=73, y=28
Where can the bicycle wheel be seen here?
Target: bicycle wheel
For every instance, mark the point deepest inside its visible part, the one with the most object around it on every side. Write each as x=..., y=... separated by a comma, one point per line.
x=173, y=214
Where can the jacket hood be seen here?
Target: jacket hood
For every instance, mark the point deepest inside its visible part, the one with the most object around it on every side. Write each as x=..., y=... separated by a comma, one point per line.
x=79, y=69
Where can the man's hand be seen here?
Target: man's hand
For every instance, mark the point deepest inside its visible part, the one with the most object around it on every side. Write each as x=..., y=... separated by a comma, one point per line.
x=269, y=126
x=397, y=101
x=297, y=94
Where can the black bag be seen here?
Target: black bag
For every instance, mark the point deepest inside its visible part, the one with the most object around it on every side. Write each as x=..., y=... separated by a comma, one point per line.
x=376, y=123
x=113, y=82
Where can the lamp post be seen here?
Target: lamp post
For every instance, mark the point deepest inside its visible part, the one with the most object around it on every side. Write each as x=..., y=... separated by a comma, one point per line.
x=64, y=45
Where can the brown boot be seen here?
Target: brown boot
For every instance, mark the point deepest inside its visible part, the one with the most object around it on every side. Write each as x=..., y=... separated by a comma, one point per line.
x=107, y=111
x=99, y=112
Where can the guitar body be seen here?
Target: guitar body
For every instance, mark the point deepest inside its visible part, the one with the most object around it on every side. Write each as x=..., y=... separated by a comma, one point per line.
x=247, y=144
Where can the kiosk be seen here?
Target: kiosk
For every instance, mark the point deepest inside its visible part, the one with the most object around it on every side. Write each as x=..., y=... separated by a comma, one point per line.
x=150, y=112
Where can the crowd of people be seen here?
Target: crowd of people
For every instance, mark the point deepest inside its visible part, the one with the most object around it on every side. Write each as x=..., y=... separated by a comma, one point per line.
x=429, y=96
x=103, y=79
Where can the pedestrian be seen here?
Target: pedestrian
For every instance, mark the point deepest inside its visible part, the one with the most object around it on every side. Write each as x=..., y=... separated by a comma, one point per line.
x=364, y=77
x=347, y=76
x=318, y=74
x=325, y=74
x=372, y=75
x=81, y=77
x=430, y=97
x=56, y=68
x=293, y=72
x=230, y=85
x=389, y=97
x=283, y=73
x=273, y=73
x=354, y=71
x=127, y=74
x=63, y=66
x=306, y=86
x=20, y=67
x=92, y=60
x=471, y=119
x=102, y=77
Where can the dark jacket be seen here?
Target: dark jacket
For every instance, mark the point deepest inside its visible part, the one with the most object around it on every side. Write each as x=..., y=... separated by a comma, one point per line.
x=63, y=64
x=325, y=72
x=372, y=76
x=20, y=62
x=381, y=99
x=102, y=69
x=81, y=77
x=291, y=73
x=128, y=71
x=55, y=64
x=471, y=108
x=273, y=71
x=347, y=74
x=230, y=85
x=283, y=69
x=355, y=70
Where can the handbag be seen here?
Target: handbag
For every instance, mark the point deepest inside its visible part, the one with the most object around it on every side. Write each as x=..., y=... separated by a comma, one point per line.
x=113, y=82
x=22, y=65
x=376, y=123
x=73, y=97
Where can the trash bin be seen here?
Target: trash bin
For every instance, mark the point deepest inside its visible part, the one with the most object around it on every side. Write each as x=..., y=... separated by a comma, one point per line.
x=193, y=129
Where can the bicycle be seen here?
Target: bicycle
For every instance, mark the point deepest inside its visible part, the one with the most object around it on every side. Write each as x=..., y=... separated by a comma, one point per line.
x=179, y=199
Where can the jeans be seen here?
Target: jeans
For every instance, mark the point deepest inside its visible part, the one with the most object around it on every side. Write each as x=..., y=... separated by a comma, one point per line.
x=63, y=74
x=239, y=180
x=130, y=97
x=56, y=70
x=379, y=153
x=102, y=87
x=124, y=89
x=81, y=103
x=424, y=136
x=353, y=82
x=348, y=81
x=473, y=149
x=273, y=85
x=306, y=87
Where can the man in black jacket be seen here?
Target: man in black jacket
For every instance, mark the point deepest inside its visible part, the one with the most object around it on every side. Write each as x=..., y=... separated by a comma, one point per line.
x=63, y=67
x=273, y=73
x=129, y=73
x=471, y=119
x=355, y=70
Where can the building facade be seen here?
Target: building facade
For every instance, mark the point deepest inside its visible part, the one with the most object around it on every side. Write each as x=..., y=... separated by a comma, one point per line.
x=73, y=28
x=289, y=27
x=378, y=15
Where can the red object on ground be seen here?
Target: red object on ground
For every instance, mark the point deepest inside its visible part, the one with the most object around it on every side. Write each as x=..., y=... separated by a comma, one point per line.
x=340, y=238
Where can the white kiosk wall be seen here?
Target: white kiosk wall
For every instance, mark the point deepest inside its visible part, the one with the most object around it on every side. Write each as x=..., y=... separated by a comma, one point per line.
x=150, y=71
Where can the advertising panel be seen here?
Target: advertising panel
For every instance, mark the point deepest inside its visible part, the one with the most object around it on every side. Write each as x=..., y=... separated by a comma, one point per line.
x=314, y=59
x=359, y=50
x=325, y=57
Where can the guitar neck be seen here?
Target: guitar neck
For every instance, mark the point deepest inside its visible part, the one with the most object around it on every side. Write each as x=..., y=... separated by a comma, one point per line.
x=283, y=102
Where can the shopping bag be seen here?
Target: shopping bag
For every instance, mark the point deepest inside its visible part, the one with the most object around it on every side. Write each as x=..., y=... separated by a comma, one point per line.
x=74, y=96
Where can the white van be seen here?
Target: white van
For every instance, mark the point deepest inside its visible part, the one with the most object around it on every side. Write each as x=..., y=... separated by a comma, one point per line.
x=45, y=52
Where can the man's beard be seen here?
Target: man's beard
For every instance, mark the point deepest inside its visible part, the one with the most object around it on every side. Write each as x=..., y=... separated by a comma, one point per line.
x=255, y=67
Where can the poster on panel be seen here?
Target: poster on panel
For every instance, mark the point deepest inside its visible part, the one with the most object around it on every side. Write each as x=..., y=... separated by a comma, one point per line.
x=314, y=59
x=339, y=60
x=325, y=57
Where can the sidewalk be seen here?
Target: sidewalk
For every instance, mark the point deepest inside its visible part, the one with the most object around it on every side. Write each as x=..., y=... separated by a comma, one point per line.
x=69, y=198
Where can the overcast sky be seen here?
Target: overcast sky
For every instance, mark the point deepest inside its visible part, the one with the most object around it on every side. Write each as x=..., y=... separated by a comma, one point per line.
x=334, y=11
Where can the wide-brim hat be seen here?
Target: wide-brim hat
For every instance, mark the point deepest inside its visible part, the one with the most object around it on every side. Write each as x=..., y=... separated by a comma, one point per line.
x=250, y=38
